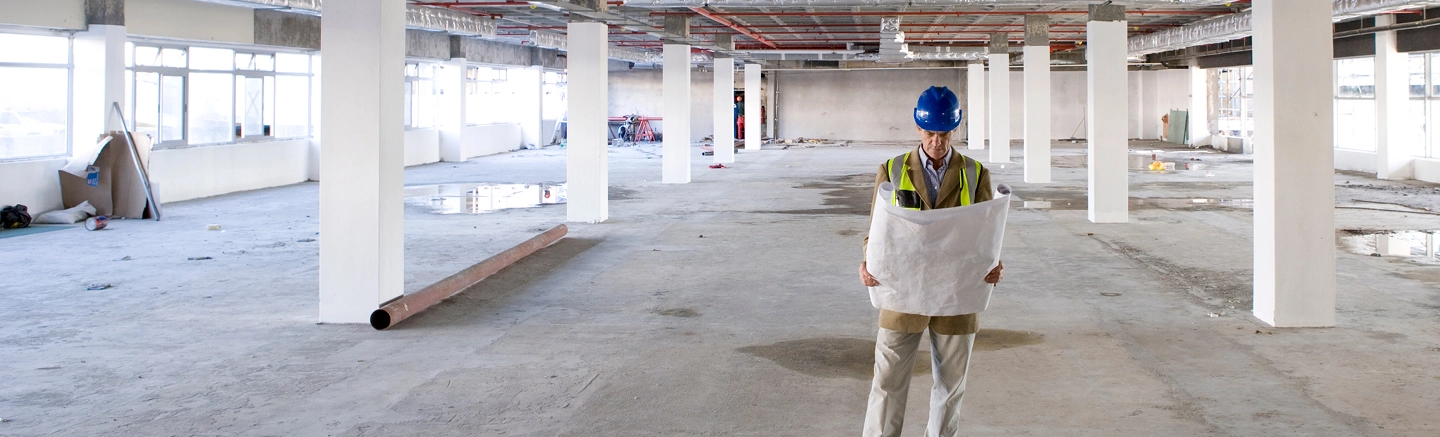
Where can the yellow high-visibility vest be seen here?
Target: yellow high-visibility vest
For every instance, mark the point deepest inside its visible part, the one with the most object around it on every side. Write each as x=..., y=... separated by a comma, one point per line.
x=899, y=169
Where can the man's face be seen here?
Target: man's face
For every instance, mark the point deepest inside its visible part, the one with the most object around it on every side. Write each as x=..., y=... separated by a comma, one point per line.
x=934, y=143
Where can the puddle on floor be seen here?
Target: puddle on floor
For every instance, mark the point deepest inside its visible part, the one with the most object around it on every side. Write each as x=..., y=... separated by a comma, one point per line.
x=1397, y=243
x=1137, y=203
x=482, y=198
x=836, y=357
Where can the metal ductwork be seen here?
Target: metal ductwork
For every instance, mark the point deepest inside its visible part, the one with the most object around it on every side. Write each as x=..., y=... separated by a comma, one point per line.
x=893, y=49
x=416, y=17
x=916, y=3
x=1237, y=26
x=635, y=55
x=942, y=53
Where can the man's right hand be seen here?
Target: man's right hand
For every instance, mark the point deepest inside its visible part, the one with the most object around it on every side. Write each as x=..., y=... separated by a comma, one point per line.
x=865, y=277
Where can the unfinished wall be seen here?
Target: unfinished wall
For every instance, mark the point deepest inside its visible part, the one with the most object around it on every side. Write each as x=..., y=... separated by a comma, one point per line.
x=1427, y=170
x=34, y=184
x=1355, y=160
x=490, y=139
x=55, y=14
x=190, y=20
x=422, y=146
x=640, y=92
x=195, y=172
x=862, y=105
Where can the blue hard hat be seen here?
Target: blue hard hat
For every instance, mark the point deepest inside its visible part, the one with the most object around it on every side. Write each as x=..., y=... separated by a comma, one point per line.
x=938, y=110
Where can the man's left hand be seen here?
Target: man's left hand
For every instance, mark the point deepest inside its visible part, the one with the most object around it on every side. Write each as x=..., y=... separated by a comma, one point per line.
x=996, y=274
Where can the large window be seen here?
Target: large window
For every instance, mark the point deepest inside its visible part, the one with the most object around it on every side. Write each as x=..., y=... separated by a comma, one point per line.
x=34, y=96
x=1355, y=103
x=1237, y=102
x=1425, y=103
x=488, y=93
x=422, y=102
x=553, y=107
x=201, y=95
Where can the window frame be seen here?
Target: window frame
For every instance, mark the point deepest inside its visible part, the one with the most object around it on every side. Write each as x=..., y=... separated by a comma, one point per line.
x=69, y=67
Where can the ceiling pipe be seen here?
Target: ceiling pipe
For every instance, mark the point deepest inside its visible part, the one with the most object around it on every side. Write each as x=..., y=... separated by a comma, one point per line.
x=931, y=13
x=743, y=31
x=907, y=3
x=439, y=19
x=1237, y=26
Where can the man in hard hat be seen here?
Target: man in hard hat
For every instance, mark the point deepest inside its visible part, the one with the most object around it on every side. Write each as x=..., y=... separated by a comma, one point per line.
x=930, y=177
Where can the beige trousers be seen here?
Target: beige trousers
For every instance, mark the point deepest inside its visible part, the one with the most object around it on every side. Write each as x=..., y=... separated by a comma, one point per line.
x=895, y=360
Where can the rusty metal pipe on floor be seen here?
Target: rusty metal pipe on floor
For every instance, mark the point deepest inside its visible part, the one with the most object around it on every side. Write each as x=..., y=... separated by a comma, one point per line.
x=403, y=307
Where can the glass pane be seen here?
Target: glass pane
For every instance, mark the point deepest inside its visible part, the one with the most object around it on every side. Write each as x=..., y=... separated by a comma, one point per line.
x=129, y=54
x=147, y=56
x=268, y=114
x=244, y=61
x=409, y=103
x=174, y=58
x=426, y=104
x=36, y=49
x=292, y=63
x=1434, y=120
x=412, y=70
x=33, y=117
x=1356, y=77
x=292, y=106
x=427, y=71
x=172, y=108
x=211, y=59
x=1355, y=124
x=249, y=92
x=265, y=62
x=1417, y=76
x=1434, y=75
x=211, y=104
x=147, y=104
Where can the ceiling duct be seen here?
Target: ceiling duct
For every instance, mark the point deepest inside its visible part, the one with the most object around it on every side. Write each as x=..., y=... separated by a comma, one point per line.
x=1237, y=26
x=416, y=17
x=908, y=3
x=893, y=49
x=944, y=53
x=549, y=40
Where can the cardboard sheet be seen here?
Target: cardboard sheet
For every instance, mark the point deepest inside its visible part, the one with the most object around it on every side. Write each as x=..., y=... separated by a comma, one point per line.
x=934, y=262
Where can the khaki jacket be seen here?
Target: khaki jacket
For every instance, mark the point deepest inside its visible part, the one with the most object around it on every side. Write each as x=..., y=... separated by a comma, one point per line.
x=949, y=197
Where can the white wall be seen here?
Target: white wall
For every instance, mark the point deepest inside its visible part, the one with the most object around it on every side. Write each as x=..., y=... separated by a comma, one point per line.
x=422, y=146
x=195, y=172
x=1427, y=170
x=191, y=20
x=641, y=92
x=34, y=184
x=490, y=139
x=55, y=14
x=1355, y=160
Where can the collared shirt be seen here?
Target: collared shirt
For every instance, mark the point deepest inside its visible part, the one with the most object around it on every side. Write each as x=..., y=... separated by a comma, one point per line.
x=933, y=176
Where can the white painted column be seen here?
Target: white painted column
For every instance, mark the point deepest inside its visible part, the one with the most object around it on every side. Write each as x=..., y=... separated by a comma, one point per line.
x=99, y=81
x=975, y=108
x=530, y=87
x=587, y=165
x=771, y=93
x=451, y=81
x=999, y=113
x=752, y=106
x=675, y=151
x=1037, y=99
x=1199, y=117
x=1392, y=245
x=362, y=229
x=724, y=115
x=1107, y=114
x=1151, y=111
x=1294, y=165
x=1395, y=142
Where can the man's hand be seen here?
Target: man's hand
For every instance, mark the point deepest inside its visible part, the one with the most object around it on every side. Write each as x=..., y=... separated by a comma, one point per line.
x=865, y=277
x=993, y=278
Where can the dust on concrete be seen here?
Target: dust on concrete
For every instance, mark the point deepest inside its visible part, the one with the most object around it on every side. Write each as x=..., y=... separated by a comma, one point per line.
x=620, y=193
x=848, y=232
x=678, y=312
x=1221, y=290
x=851, y=194
x=854, y=358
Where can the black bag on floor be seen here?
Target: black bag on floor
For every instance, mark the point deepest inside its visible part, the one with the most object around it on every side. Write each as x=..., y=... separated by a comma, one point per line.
x=12, y=217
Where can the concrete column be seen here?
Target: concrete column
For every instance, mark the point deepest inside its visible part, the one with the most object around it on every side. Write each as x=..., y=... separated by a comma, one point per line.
x=1037, y=99
x=452, y=110
x=1000, y=102
x=1151, y=111
x=752, y=106
x=1294, y=165
x=771, y=93
x=676, y=148
x=1392, y=245
x=975, y=107
x=724, y=115
x=1395, y=145
x=587, y=166
x=362, y=229
x=99, y=82
x=530, y=86
x=1199, y=117
x=1107, y=113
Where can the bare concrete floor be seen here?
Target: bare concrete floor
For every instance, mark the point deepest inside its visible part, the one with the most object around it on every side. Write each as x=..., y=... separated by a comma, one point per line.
x=728, y=306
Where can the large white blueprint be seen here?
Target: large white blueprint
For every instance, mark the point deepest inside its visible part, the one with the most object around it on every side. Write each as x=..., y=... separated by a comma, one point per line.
x=934, y=262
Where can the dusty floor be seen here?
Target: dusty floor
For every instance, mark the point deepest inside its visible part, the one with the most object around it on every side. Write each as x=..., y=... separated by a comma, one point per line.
x=728, y=306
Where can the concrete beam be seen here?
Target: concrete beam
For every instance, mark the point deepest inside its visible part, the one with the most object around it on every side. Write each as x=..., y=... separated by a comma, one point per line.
x=105, y=12
x=1037, y=30
x=677, y=26
x=999, y=115
x=1107, y=12
x=285, y=29
x=495, y=52
x=725, y=41
x=426, y=44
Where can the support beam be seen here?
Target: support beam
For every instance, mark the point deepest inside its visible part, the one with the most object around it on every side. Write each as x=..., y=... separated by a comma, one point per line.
x=975, y=108
x=675, y=159
x=752, y=106
x=1037, y=99
x=1396, y=142
x=587, y=165
x=1294, y=165
x=1107, y=109
x=362, y=229
x=451, y=82
x=1000, y=102
x=724, y=114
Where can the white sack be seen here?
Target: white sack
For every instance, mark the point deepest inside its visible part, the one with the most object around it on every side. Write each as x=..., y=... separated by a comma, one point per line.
x=66, y=216
x=934, y=262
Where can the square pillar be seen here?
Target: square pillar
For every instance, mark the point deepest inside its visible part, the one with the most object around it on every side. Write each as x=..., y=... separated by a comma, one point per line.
x=1150, y=110
x=362, y=229
x=752, y=106
x=975, y=106
x=99, y=82
x=1199, y=117
x=529, y=83
x=724, y=115
x=1294, y=165
x=770, y=96
x=1037, y=99
x=1000, y=101
x=1107, y=112
x=675, y=151
x=453, y=96
x=1395, y=141
x=586, y=165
